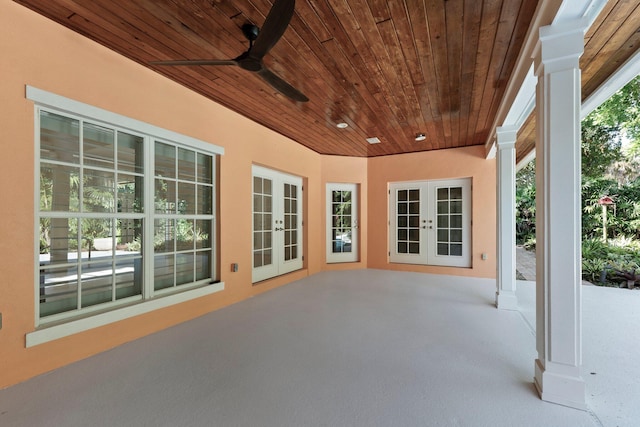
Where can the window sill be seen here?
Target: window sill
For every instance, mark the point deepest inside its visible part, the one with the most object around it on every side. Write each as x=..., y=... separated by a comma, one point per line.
x=51, y=333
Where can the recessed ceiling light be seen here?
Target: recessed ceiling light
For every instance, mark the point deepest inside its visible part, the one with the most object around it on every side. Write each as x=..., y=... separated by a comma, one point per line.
x=373, y=140
x=420, y=137
x=342, y=125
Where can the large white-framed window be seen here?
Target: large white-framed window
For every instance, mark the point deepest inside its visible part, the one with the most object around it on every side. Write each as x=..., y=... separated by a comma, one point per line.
x=125, y=215
x=277, y=223
x=430, y=222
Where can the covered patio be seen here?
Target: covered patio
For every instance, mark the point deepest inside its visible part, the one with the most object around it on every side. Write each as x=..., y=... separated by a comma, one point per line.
x=363, y=347
x=387, y=342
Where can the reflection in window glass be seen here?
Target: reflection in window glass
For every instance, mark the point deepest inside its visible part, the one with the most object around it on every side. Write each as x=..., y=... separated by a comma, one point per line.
x=98, y=146
x=408, y=221
x=92, y=215
x=449, y=221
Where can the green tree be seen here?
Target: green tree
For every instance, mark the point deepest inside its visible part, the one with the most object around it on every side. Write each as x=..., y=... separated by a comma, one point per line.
x=622, y=111
x=601, y=148
x=526, y=203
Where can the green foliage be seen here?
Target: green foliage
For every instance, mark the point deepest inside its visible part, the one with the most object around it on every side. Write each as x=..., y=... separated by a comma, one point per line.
x=622, y=111
x=526, y=204
x=601, y=147
x=607, y=170
x=530, y=244
x=623, y=219
x=616, y=257
x=592, y=268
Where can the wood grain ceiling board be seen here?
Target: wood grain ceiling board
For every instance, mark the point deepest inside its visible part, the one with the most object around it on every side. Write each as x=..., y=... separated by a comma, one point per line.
x=388, y=69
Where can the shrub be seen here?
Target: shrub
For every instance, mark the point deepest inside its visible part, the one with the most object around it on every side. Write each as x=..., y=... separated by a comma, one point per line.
x=617, y=258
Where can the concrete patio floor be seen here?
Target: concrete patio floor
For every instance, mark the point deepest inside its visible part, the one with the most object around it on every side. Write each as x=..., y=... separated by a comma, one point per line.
x=352, y=348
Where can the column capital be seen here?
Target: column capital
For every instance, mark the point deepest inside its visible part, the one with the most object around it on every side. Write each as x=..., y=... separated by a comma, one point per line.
x=506, y=137
x=559, y=47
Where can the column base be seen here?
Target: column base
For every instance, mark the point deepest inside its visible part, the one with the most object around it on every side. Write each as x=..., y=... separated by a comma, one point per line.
x=560, y=389
x=506, y=300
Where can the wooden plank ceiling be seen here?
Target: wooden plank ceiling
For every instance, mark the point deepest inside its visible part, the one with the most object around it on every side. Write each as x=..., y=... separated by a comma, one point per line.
x=389, y=70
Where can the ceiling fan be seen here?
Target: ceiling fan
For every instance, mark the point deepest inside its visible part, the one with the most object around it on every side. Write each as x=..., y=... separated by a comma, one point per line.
x=260, y=43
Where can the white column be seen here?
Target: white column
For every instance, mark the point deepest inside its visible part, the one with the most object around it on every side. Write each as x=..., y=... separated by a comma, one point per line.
x=506, y=218
x=558, y=220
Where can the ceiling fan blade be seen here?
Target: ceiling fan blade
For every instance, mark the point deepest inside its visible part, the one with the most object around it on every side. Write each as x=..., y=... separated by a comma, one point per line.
x=282, y=86
x=197, y=62
x=273, y=28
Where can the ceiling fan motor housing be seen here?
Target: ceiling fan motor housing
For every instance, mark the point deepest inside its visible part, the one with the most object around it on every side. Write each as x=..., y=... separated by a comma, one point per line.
x=250, y=31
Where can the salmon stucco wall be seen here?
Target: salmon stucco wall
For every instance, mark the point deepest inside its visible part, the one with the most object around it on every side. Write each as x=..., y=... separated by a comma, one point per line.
x=441, y=164
x=40, y=53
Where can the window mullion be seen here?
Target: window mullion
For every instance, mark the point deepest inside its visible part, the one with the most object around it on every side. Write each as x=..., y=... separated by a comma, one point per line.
x=149, y=206
x=80, y=209
x=214, y=219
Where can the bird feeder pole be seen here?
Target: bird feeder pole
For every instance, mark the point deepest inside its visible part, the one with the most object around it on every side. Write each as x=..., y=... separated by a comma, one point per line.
x=604, y=202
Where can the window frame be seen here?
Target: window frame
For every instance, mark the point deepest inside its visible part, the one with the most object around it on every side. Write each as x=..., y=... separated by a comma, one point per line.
x=427, y=223
x=354, y=254
x=66, y=323
x=279, y=264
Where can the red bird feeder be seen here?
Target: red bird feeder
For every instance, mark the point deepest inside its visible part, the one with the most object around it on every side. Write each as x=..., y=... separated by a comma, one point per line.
x=606, y=200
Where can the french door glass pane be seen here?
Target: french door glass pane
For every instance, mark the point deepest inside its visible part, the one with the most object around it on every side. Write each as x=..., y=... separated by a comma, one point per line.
x=262, y=221
x=449, y=223
x=290, y=221
x=342, y=222
x=408, y=221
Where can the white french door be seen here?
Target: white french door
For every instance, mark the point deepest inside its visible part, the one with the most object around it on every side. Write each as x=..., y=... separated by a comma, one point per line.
x=342, y=223
x=277, y=223
x=430, y=222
